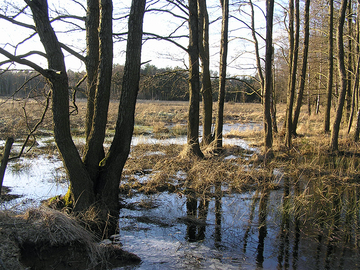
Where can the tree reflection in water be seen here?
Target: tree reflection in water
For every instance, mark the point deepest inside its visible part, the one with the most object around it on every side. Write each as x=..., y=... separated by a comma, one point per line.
x=299, y=226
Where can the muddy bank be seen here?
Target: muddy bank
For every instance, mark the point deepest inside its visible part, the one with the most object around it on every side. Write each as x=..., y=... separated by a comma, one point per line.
x=43, y=238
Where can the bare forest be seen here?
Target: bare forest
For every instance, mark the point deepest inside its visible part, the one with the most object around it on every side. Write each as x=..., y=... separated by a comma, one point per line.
x=220, y=128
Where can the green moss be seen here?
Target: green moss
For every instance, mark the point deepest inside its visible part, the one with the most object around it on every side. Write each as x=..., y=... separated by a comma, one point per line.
x=67, y=199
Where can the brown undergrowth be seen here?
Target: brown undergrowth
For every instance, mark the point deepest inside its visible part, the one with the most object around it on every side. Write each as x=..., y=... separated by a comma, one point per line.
x=47, y=239
x=158, y=168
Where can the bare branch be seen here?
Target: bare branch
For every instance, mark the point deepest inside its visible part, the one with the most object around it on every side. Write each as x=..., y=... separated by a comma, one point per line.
x=32, y=131
x=71, y=51
x=25, y=62
x=167, y=11
x=80, y=4
x=17, y=22
x=180, y=6
x=248, y=26
x=25, y=83
x=24, y=55
x=155, y=36
x=75, y=88
x=61, y=17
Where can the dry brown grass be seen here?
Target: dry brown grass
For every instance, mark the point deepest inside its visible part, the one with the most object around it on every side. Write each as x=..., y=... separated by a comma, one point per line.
x=166, y=169
x=45, y=237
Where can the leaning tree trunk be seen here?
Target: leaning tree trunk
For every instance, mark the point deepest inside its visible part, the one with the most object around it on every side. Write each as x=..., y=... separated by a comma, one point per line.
x=300, y=95
x=331, y=67
x=342, y=73
x=193, y=146
x=81, y=186
x=222, y=75
x=205, y=64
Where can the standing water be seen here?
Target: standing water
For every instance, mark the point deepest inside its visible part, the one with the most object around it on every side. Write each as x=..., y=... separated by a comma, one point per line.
x=251, y=230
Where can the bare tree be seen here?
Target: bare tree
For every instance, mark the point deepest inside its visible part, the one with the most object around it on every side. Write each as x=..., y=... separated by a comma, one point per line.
x=222, y=75
x=300, y=94
x=268, y=137
x=206, y=90
x=293, y=51
x=342, y=73
x=95, y=180
x=194, y=82
x=330, y=68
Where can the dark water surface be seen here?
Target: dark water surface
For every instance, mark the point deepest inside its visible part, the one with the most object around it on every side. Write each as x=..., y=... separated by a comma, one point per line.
x=238, y=231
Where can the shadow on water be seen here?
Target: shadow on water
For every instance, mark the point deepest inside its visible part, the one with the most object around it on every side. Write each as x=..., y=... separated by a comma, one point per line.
x=302, y=225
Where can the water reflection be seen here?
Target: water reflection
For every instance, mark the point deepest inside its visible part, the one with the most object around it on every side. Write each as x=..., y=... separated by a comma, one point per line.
x=264, y=229
x=197, y=215
x=306, y=224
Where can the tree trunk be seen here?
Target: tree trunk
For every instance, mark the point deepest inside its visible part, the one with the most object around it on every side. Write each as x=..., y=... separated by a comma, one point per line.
x=293, y=67
x=193, y=146
x=92, y=59
x=222, y=74
x=256, y=44
x=357, y=129
x=350, y=68
x=268, y=75
x=4, y=160
x=331, y=67
x=81, y=186
x=303, y=69
x=354, y=95
x=273, y=103
x=94, y=149
x=355, y=101
x=112, y=165
x=342, y=74
x=205, y=64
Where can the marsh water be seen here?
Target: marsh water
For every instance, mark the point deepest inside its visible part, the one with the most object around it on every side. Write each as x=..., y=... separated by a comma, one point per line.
x=250, y=230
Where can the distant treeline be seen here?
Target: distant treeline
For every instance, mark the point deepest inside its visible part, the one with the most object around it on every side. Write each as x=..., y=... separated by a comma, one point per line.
x=155, y=84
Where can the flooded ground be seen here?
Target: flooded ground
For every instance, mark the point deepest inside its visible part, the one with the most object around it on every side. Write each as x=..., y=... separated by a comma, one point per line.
x=238, y=231
x=251, y=230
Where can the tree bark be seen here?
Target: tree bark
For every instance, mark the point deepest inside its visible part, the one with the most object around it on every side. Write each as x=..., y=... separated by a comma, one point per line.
x=268, y=76
x=205, y=65
x=294, y=50
x=300, y=95
x=94, y=150
x=113, y=164
x=356, y=87
x=331, y=67
x=4, y=160
x=81, y=186
x=342, y=74
x=92, y=59
x=350, y=69
x=193, y=146
x=222, y=74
